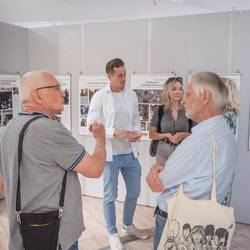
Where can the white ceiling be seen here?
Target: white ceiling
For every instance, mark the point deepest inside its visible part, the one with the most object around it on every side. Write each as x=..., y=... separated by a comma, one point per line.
x=34, y=13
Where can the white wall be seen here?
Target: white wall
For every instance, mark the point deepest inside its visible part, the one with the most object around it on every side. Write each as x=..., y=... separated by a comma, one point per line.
x=215, y=42
x=13, y=49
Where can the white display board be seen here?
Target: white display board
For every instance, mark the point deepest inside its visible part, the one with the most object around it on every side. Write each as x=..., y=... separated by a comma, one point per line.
x=249, y=131
x=65, y=82
x=10, y=104
x=88, y=85
x=148, y=88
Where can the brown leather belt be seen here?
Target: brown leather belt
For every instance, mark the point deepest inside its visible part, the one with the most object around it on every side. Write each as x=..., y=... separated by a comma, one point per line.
x=161, y=213
x=170, y=143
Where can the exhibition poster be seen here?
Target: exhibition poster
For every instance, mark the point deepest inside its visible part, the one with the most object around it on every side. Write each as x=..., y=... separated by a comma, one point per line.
x=88, y=86
x=9, y=98
x=148, y=88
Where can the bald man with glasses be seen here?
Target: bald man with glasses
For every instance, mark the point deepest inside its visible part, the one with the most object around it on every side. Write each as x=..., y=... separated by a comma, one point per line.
x=48, y=150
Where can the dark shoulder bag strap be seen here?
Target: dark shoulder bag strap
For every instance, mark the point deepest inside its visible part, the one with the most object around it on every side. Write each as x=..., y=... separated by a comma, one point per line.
x=190, y=125
x=20, y=149
x=160, y=114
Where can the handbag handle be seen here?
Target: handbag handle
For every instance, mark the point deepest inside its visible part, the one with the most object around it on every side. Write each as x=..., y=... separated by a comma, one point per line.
x=213, y=191
x=160, y=115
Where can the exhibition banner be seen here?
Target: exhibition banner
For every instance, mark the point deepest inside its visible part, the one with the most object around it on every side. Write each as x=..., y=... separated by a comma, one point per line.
x=9, y=98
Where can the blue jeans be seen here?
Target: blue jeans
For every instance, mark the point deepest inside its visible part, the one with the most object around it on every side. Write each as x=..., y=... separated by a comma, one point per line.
x=131, y=171
x=73, y=247
x=159, y=227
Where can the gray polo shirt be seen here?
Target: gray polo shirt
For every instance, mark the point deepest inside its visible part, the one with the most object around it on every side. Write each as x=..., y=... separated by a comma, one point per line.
x=48, y=150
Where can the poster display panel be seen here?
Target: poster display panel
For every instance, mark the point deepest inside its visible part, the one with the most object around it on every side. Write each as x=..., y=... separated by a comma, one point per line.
x=148, y=88
x=88, y=86
x=10, y=104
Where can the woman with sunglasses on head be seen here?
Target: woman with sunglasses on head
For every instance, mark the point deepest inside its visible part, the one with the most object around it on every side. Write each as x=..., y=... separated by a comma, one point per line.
x=174, y=125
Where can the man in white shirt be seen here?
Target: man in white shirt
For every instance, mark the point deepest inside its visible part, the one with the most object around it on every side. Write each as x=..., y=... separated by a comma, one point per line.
x=117, y=108
x=191, y=163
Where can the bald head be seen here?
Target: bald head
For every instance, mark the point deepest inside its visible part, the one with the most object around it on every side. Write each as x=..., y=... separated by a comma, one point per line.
x=33, y=80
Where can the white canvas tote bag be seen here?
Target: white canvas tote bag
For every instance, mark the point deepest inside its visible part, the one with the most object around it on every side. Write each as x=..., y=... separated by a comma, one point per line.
x=198, y=224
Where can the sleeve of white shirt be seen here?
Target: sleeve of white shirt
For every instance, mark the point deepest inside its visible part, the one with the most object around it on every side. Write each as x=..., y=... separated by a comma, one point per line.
x=95, y=114
x=185, y=162
x=95, y=110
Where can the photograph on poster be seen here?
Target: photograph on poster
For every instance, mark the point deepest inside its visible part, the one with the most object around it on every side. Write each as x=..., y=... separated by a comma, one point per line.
x=143, y=126
x=6, y=98
x=66, y=97
x=148, y=95
x=88, y=86
x=10, y=104
x=144, y=112
x=84, y=92
x=148, y=100
x=15, y=91
x=92, y=91
x=84, y=110
x=6, y=116
x=84, y=122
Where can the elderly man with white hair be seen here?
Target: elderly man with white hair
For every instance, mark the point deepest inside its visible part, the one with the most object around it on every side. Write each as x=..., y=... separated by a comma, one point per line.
x=49, y=150
x=191, y=163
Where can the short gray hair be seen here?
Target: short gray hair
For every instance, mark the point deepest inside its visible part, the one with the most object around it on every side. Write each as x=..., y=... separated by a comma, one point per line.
x=212, y=82
x=29, y=82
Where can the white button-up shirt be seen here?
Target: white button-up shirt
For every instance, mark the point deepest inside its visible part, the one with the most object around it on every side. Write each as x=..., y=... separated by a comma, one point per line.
x=191, y=163
x=102, y=110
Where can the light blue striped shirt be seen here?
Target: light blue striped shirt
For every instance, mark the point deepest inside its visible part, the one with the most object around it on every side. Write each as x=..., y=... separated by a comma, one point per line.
x=191, y=163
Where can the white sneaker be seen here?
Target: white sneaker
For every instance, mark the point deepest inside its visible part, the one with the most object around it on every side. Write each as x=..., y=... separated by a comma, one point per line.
x=134, y=231
x=115, y=243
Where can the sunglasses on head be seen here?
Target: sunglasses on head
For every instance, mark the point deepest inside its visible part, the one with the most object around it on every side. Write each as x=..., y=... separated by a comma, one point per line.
x=174, y=79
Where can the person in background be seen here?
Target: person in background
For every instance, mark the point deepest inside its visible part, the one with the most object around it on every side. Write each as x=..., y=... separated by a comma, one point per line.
x=117, y=107
x=48, y=150
x=175, y=126
x=232, y=111
x=231, y=115
x=190, y=164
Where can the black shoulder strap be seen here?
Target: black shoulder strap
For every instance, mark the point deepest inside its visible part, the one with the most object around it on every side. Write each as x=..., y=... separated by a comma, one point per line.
x=160, y=114
x=20, y=149
x=190, y=125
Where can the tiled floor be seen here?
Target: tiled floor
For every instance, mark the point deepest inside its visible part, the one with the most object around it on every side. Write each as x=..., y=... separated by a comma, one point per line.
x=95, y=236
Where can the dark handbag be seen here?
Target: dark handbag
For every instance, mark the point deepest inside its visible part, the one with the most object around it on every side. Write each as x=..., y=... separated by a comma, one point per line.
x=39, y=230
x=154, y=143
x=153, y=147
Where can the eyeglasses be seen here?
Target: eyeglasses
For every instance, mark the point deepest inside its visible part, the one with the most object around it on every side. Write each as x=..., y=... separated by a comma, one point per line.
x=57, y=87
x=174, y=79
